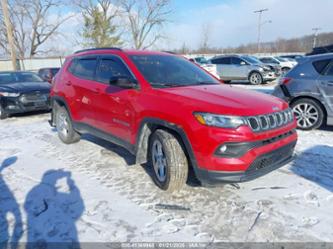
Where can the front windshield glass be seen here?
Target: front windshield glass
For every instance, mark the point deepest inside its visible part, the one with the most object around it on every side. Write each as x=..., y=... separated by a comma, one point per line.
x=252, y=59
x=201, y=60
x=170, y=70
x=281, y=59
x=15, y=77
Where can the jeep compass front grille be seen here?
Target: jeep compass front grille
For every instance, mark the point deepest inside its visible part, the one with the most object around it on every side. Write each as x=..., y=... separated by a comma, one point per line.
x=270, y=121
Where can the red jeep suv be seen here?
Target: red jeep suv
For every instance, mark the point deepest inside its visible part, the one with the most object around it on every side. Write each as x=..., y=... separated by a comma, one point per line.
x=172, y=114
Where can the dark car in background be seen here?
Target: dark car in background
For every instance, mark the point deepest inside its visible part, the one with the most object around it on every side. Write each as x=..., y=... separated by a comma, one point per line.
x=321, y=50
x=22, y=92
x=48, y=73
x=309, y=90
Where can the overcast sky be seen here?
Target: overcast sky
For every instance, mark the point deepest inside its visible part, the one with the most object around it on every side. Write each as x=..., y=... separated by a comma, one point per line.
x=232, y=22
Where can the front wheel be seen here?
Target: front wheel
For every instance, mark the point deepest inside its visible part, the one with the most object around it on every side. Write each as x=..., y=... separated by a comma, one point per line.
x=3, y=114
x=64, y=126
x=168, y=161
x=308, y=113
x=255, y=78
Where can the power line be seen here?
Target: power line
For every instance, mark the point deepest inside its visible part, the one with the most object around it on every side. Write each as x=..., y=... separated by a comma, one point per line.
x=315, y=36
x=260, y=24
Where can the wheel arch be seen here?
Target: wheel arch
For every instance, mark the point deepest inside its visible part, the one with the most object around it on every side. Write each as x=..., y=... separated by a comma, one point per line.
x=56, y=102
x=254, y=71
x=148, y=126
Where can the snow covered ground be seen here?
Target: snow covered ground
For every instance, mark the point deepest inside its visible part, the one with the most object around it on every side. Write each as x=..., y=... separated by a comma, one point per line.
x=91, y=192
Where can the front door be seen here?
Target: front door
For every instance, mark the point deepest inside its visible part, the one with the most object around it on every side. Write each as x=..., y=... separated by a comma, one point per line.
x=115, y=111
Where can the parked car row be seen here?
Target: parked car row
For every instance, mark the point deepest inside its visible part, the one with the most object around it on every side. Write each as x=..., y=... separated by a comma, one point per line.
x=246, y=67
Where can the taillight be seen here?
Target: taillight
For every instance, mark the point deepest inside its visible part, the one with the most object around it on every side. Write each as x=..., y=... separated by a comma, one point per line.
x=285, y=81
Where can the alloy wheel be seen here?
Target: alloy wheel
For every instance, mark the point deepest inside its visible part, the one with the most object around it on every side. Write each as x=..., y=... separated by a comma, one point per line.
x=306, y=114
x=159, y=161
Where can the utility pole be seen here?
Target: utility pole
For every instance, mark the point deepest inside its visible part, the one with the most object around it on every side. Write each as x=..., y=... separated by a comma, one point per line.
x=259, y=26
x=10, y=36
x=315, y=36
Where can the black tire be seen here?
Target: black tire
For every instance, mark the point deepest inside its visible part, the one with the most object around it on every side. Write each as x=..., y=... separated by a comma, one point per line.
x=308, y=120
x=255, y=78
x=65, y=131
x=176, y=164
x=3, y=114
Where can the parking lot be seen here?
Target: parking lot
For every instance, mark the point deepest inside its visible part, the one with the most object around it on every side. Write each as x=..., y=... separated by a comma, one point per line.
x=105, y=191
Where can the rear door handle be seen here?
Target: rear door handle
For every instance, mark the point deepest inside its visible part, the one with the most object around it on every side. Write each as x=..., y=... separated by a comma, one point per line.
x=68, y=83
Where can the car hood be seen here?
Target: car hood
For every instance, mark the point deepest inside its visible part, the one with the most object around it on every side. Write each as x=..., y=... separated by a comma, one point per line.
x=225, y=99
x=24, y=87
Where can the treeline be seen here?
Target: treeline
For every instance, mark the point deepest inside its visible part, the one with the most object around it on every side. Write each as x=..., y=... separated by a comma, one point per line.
x=303, y=44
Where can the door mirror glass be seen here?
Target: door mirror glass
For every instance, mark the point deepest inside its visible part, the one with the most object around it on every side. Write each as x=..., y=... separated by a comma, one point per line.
x=123, y=82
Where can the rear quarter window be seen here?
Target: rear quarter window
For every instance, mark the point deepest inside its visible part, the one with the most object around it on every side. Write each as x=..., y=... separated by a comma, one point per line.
x=320, y=65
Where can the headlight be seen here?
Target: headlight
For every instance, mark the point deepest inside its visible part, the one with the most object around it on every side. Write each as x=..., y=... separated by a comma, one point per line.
x=6, y=94
x=219, y=120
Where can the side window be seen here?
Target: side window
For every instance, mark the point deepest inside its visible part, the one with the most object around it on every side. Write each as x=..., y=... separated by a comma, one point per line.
x=85, y=68
x=224, y=61
x=329, y=72
x=72, y=65
x=236, y=61
x=109, y=67
x=320, y=65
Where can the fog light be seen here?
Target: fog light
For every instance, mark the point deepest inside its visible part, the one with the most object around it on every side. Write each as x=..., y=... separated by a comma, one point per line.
x=223, y=149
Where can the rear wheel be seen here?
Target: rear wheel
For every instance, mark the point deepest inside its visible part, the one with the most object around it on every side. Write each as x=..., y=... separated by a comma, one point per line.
x=168, y=161
x=64, y=126
x=3, y=114
x=255, y=78
x=309, y=114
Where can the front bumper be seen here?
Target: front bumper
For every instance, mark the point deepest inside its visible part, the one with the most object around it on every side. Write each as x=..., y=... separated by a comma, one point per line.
x=13, y=105
x=269, y=76
x=262, y=165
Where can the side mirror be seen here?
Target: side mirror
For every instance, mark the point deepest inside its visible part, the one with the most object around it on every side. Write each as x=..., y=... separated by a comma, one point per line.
x=123, y=82
x=243, y=63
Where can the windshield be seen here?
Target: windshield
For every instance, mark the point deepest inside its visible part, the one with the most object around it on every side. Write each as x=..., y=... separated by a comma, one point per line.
x=201, y=60
x=281, y=59
x=252, y=59
x=54, y=71
x=15, y=77
x=170, y=70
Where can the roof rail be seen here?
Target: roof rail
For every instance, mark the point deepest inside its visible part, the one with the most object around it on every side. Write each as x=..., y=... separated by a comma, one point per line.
x=169, y=52
x=96, y=49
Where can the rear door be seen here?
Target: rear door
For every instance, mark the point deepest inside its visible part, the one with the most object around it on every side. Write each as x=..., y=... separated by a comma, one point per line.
x=82, y=89
x=326, y=83
x=238, y=68
x=115, y=107
x=223, y=66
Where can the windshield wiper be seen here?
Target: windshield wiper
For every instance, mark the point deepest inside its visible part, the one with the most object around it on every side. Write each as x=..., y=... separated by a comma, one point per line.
x=165, y=84
x=206, y=83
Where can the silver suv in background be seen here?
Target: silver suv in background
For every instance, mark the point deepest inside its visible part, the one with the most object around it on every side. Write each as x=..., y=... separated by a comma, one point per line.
x=242, y=67
x=286, y=64
x=308, y=88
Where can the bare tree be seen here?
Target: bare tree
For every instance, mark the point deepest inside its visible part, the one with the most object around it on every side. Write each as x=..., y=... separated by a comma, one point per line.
x=145, y=19
x=35, y=22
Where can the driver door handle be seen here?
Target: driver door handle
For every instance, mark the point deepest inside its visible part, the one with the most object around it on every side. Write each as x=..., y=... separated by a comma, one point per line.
x=68, y=83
